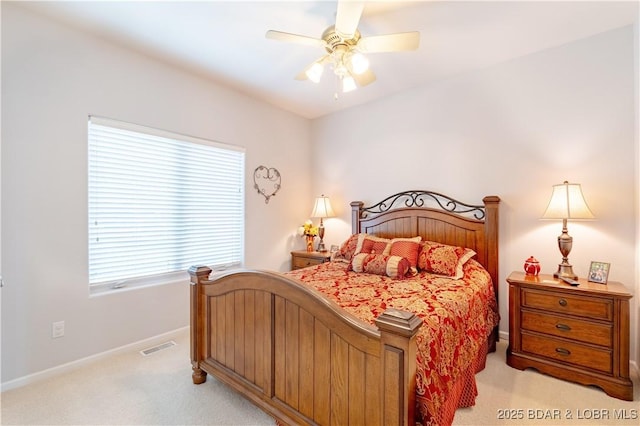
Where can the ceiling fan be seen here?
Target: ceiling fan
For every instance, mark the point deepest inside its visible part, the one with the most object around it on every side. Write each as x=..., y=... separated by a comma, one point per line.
x=346, y=47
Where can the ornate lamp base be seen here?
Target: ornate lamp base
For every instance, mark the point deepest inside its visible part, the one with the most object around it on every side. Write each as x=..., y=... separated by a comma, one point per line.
x=565, y=270
x=321, y=246
x=565, y=242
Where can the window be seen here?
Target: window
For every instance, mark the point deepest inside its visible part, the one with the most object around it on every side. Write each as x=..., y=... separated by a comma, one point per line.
x=160, y=203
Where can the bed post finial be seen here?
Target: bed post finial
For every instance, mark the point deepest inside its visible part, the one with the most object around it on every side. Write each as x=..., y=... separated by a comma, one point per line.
x=199, y=273
x=356, y=214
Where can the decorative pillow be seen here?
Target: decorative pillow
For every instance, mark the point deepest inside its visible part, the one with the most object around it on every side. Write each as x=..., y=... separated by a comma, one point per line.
x=408, y=248
x=347, y=249
x=370, y=244
x=392, y=266
x=444, y=260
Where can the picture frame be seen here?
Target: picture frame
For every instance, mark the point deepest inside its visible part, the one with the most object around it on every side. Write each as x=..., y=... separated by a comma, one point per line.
x=334, y=248
x=599, y=272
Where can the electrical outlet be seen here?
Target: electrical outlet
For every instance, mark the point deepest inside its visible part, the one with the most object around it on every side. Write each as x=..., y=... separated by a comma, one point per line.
x=57, y=329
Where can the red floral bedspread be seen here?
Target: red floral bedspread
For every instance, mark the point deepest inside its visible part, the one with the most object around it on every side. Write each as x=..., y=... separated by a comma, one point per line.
x=458, y=316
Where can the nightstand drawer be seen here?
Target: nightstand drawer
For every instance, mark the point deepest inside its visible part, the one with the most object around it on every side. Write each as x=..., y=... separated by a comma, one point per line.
x=302, y=259
x=570, y=328
x=565, y=351
x=303, y=262
x=588, y=307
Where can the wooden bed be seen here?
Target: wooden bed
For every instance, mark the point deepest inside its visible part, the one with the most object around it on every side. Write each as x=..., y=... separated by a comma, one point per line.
x=303, y=359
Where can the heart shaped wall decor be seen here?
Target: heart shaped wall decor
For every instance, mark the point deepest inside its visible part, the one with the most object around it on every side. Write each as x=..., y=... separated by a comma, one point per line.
x=266, y=180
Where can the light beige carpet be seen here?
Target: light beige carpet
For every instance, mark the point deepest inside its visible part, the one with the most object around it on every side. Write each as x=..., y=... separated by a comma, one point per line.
x=507, y=396
x=129, y=389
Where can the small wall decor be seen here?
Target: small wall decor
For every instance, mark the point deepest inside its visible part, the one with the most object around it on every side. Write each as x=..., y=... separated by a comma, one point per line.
x=599, y=272
x=266, y=180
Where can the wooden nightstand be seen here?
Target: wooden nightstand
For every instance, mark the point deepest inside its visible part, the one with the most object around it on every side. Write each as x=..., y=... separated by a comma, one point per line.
x=302, y=259
x=578, y=333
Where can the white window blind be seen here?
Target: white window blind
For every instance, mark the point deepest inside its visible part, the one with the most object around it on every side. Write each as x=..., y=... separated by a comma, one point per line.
x=160, y=202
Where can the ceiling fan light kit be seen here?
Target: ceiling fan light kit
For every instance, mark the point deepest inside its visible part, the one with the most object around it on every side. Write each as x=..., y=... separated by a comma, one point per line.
x=348, y=84
x=345, y=47
x=314, y=72
x=359, y=63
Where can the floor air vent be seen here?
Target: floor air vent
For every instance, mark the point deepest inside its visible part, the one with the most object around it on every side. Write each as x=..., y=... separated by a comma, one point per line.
x=157, y=348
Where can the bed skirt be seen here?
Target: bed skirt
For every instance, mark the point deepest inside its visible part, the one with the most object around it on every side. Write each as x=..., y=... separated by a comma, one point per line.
x=462, y=394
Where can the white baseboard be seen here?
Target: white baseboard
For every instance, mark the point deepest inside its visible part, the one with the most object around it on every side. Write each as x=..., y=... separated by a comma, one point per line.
x=504, y=335
x=73, y=365
x=635, y=371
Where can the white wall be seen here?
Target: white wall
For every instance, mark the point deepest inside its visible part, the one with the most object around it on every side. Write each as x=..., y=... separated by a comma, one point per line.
x=512, y=130
x=54, y=77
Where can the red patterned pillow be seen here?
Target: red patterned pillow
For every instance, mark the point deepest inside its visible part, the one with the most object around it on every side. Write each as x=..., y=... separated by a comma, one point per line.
x=392, y=266
x=347, y=249
x=370, y=244
x=408, y=248
x=442, y=259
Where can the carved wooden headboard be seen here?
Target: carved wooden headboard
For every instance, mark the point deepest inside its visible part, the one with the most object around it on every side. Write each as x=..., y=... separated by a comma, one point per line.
x=435, y=217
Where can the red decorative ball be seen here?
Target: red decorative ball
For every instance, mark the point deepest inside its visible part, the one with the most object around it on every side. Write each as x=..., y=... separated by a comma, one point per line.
x=531, y=266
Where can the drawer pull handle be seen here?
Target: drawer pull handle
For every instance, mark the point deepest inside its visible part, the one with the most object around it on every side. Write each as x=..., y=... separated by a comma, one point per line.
x=563, y=327
x=562, y=302
x=563, y=351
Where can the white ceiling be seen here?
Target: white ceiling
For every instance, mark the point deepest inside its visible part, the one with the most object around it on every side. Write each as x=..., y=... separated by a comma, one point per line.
x=225, y=40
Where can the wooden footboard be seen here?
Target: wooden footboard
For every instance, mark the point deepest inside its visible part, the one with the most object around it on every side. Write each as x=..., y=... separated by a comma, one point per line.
x=297, y=355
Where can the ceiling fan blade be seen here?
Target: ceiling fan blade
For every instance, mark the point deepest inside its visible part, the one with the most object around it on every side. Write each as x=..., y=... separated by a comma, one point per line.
x=390, y=42
x=348, y=17
x=294, y=38
x=365, y=78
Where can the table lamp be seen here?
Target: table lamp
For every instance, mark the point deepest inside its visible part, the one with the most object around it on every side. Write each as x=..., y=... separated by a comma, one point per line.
x=322, y=208
x=567, y=202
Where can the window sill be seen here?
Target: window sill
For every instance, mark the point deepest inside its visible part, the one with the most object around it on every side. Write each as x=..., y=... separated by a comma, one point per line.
x=104, y=289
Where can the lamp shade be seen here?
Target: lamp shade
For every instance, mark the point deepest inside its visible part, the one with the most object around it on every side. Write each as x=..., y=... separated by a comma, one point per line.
x=567, y=202
x=314, y=72
x=322, y=208
x=348, y=84
x=359, y=63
